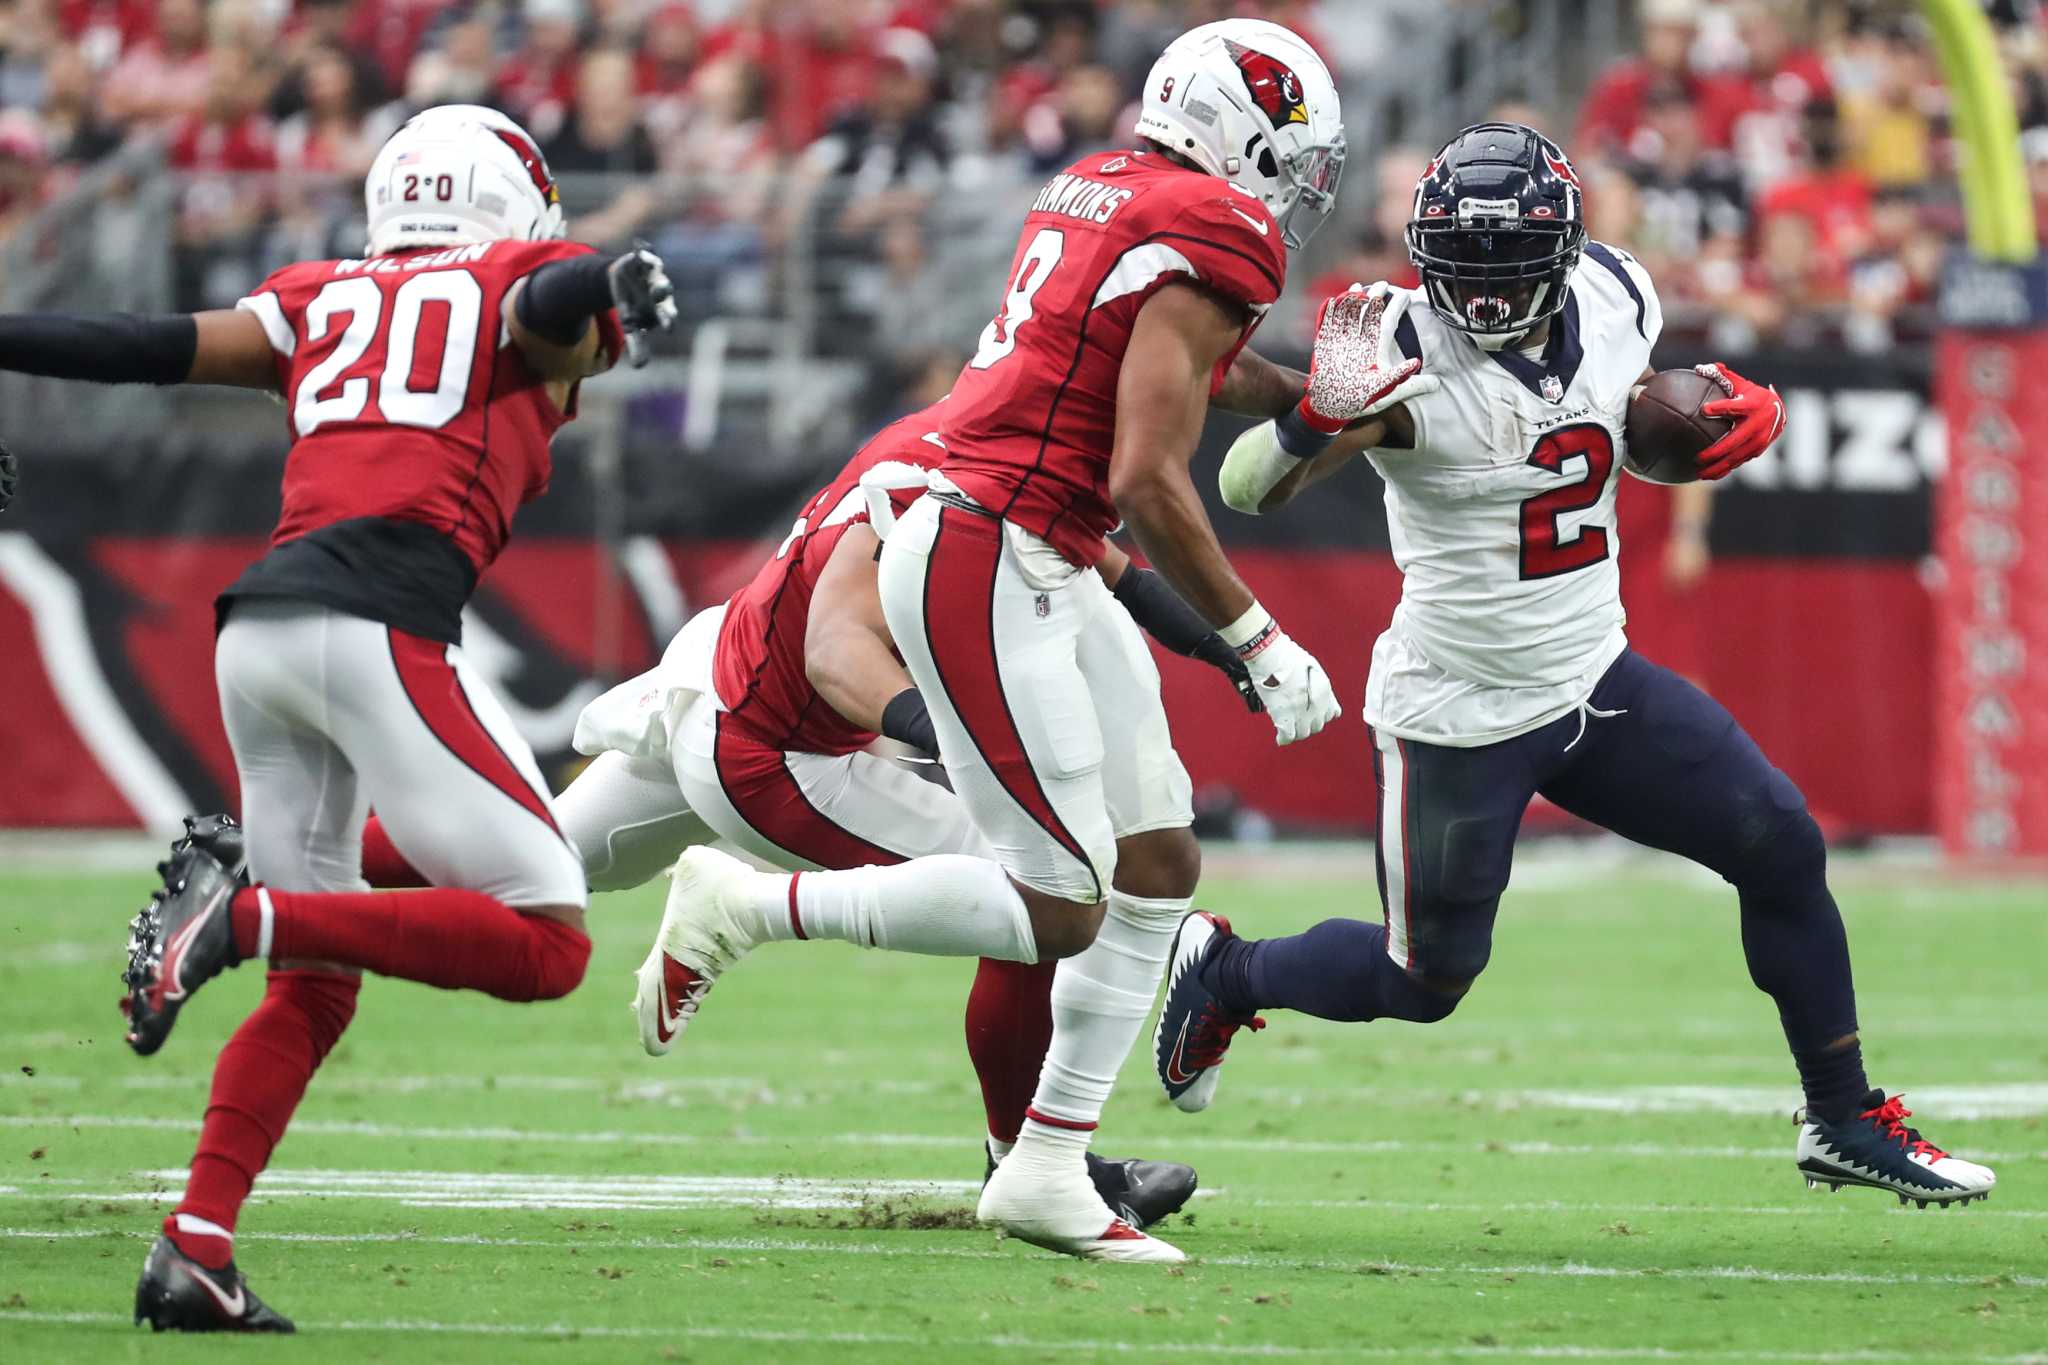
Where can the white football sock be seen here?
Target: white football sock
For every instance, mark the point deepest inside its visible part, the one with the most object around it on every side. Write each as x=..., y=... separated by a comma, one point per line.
x=1099, y=1002
x=946, y=905
x=202, y=1227
x=998, y=1149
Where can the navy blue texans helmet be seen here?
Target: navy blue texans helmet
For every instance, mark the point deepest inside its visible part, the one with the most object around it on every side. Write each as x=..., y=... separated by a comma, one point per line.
x=1497, y=227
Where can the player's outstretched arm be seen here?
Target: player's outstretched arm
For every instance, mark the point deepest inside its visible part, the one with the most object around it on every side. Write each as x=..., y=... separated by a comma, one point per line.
x=552, y=313
x=1162, y=400
x=1356, y=374
x=224, y=346
x=1257, y=387
x=848, y=653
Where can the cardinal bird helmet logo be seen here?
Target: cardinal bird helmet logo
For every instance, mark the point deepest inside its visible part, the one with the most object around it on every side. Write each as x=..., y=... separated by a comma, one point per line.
x=1273, y=85
x=536, y=165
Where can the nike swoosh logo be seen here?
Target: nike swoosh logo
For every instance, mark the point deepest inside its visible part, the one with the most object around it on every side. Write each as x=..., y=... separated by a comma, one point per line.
x=232, y=1306
x=669, y=1016
x=1258, y=225
x=173, y=970
x=1173, y=1067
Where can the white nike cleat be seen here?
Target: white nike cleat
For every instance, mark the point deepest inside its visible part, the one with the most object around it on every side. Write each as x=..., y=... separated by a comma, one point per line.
x=704, y=930
x=1042, y=1194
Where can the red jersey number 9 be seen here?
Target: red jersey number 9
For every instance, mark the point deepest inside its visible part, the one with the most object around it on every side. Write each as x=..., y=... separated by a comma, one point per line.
x=999, y=338
x=361, y=301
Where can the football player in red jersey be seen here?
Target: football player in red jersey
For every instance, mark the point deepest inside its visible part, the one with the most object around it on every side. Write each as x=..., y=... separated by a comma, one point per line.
x=422, y=385
x=1137, y=280
x=756, y=727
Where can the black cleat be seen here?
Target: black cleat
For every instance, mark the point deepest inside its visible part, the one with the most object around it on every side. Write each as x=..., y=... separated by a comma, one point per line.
x=177, y=1294
x=1139, y=1192
x=1876, y=1150
x=220, y=836
x=180, y=941
x=1192, y=1037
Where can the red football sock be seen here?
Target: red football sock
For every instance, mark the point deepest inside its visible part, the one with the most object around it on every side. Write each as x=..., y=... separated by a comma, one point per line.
x=1009, y=1026
x=442, y=936
x=384, y=866
x=257, y=1083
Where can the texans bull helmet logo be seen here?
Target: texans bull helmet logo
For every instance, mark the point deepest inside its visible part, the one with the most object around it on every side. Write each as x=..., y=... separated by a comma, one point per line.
x=1273, y=85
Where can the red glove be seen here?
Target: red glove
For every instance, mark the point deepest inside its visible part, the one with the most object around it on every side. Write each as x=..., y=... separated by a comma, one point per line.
x=1759, y=420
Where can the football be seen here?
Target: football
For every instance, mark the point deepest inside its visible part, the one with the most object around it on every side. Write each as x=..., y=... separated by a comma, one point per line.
x=1666, y=432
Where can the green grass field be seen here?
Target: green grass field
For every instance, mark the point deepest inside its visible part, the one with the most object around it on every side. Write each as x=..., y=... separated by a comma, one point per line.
x=1591, y=1160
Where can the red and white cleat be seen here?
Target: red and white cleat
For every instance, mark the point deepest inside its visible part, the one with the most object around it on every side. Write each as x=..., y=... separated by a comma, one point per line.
x=704, y=931
x=1042, y=1194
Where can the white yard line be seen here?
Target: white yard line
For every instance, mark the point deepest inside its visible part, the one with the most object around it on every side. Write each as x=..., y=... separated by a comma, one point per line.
x=1571, y=1270
x=1261, y=1350
x=1996, y=1100
x=1196, y=1143
x=498, y=1190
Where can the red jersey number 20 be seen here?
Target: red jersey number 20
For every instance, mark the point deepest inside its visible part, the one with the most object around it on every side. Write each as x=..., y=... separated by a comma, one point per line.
x=999, y=338
x=404, y=394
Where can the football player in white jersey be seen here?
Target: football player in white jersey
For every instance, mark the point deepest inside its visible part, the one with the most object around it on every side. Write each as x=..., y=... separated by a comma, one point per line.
x=1506, y=670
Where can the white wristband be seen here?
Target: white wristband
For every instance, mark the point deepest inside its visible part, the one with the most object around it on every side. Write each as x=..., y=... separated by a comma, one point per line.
x=1251, y=632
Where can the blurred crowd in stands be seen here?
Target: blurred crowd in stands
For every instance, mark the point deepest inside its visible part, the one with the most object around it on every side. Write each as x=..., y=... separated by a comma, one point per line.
x=1783, y=166
x=1785, y=169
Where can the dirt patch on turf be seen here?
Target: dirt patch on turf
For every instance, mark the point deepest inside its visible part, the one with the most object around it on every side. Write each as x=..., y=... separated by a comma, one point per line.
x=877, y=1215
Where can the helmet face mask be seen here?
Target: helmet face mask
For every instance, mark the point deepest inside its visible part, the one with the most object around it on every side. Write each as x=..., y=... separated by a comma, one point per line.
x=1496, y=232
x=1250, y=102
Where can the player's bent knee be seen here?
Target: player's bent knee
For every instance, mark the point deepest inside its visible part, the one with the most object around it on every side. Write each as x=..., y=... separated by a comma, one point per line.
x=1792, y=856
x=1062, y=928
x=560, y=953
x=1429, y=1000
x=1160, y=864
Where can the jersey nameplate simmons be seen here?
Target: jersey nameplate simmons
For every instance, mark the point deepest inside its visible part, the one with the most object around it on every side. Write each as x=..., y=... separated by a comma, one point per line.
x=1077, y=196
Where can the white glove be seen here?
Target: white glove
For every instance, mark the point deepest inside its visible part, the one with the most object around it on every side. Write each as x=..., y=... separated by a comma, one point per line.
x=1294, y=687
x=1355, y=370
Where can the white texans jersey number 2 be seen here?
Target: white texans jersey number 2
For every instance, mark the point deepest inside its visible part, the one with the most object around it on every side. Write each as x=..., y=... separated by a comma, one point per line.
x=1502, y=516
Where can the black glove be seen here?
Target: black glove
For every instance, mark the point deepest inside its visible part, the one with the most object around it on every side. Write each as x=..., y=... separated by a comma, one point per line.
x=644, y=297
x=9, y=475
x=1157, y=608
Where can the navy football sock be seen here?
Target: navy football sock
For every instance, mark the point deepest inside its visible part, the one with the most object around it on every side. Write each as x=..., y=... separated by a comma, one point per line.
x=1833, y=1080
x=1798, y=954
x=1337, y=970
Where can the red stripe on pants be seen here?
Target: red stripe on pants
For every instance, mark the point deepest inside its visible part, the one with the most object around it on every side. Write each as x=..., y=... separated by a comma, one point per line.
x=436, y=693
x=959, y=597
x=758, y=783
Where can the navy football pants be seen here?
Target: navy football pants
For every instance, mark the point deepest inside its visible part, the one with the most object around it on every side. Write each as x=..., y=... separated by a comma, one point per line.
x=1667, y=767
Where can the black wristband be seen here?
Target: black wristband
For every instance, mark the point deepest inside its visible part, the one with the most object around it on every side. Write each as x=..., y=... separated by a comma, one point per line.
x=906, y=720
x=1297, y=437
x=108, y=348
x=561, y=298
x=1158, y=609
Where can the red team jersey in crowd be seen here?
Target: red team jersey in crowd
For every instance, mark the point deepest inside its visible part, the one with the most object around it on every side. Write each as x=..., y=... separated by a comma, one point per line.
x=1032, y=419
x=417, y=427
x=759, y=668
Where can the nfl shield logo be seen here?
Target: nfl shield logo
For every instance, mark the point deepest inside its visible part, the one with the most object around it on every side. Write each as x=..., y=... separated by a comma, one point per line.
x=1553, y=388
x=1043, y=605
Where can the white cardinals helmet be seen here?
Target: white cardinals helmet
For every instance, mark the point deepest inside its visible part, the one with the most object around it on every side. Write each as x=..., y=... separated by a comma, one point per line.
x=459, y=173
x=1250, y=101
